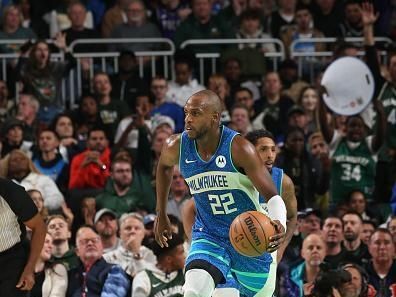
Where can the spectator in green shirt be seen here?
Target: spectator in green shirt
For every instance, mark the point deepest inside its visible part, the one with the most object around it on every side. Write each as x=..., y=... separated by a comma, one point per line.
x=201, y=25
x=126, y=190
x=58, y=228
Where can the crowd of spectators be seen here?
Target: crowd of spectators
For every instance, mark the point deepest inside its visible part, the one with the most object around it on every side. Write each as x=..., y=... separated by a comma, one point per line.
x=91, y=170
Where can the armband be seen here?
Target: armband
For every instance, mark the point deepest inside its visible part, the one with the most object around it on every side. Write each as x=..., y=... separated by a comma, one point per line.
x=277, y=209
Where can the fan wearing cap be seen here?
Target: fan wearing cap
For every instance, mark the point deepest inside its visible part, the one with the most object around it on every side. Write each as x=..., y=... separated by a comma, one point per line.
x=12, y=137
x=353, y=154
x=149, y=235
x=308, y=222
x=166, y=278
x=296, y=117
x=106, y=225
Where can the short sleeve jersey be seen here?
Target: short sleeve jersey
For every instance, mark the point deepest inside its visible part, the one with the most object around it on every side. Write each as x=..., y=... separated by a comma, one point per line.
x=16, y=207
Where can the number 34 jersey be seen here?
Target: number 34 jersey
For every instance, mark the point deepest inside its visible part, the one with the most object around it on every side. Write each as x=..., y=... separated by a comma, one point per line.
x=220, y=191
x=352, y=169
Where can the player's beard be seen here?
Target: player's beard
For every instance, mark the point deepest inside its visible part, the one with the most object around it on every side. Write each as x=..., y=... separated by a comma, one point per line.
x=199, y=133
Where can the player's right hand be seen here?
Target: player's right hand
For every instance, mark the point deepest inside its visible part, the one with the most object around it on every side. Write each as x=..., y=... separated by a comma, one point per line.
x=162, y=229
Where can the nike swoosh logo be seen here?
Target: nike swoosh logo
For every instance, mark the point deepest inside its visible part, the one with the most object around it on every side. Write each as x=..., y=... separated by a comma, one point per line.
x=190, y=161
x=156, y=285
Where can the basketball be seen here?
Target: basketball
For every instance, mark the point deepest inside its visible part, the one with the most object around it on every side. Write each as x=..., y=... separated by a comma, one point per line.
x=250, y=233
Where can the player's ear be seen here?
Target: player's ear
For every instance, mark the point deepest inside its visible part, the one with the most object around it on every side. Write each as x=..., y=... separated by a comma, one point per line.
x=216, y=117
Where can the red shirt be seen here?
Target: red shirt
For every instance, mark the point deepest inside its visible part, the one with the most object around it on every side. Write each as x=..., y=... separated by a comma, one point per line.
x=91, y=175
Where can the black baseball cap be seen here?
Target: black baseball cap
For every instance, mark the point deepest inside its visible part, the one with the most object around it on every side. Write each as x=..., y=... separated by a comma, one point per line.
x=295, y=109
x=309, y=211
x=11, y=123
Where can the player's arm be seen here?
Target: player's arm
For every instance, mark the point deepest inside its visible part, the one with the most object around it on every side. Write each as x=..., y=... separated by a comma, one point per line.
x=169, y=157
x=289, y=197
x=326, y=128
x=36, y=224
x=245, y=156
x=379, y=136
x=188, y=215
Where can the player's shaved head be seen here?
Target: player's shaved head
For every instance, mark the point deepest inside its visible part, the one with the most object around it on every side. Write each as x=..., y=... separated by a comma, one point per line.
x=210, y=99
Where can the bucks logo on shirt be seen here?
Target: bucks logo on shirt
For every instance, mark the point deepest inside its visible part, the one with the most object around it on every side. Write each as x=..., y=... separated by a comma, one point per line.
x=160, y=288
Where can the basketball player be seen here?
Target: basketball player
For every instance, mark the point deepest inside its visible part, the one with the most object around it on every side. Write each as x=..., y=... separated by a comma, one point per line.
x=264, y=143
x=223, y=171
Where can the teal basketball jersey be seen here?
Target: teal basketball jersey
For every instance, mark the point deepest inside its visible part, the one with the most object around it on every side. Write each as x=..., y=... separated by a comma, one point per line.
x=220, y=191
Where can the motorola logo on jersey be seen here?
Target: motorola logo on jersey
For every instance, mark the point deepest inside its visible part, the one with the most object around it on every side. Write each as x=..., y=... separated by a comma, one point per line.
x=221, y=161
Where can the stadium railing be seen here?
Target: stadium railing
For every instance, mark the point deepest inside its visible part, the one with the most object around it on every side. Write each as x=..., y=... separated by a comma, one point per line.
x=276, y=57
x=7, y=59
x=312, y=60
x=107, y=61
x=150, y=61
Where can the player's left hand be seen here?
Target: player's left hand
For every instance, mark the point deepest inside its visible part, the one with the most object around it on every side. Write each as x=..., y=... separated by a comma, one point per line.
x=276, y=240
x=26, y=281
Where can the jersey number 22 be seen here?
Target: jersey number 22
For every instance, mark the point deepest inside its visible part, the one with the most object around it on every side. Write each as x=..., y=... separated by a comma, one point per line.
x=222, y=204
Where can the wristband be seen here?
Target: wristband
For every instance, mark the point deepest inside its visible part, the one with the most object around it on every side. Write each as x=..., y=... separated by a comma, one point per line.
x=277, y=209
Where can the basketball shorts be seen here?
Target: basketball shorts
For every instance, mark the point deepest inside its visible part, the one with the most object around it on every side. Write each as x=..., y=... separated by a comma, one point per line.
x=252, y=276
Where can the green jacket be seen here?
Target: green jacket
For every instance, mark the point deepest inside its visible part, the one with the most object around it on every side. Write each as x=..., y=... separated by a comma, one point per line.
x=140, y=196
x=69, y=259
x=191, y=28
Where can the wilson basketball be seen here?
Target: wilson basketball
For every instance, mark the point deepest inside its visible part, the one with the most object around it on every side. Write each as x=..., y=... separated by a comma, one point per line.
x=250, y=233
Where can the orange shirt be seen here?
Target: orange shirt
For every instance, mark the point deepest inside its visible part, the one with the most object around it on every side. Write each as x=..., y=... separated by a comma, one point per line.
x=91, y=175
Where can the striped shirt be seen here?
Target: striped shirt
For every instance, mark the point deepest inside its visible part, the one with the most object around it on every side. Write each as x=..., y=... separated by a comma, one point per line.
x=16, y=207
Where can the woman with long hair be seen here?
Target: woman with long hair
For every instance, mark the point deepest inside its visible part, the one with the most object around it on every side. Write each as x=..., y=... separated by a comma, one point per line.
x=51, y=278
x=64, y=127
x=38, y=200
x=309, y=101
